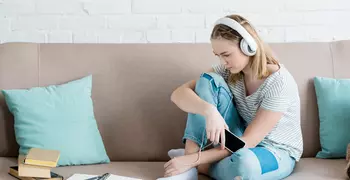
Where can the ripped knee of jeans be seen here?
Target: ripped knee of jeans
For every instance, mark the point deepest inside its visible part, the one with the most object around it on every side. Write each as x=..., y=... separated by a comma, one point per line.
x=213, y=76
x=214, y=79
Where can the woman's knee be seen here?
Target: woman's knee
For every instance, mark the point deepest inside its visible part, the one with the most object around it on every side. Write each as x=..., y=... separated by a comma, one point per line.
x=209, y=80
x=209, y=87
x=247, y=164
x=241, y=164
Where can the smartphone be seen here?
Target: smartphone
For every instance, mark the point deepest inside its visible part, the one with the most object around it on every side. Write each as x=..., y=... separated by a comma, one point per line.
x=232, y=142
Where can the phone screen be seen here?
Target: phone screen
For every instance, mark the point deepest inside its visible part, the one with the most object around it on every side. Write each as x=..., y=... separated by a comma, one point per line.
x=233, y=143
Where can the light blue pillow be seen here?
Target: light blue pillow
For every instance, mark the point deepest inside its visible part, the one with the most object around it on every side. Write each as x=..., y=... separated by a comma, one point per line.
x=333, y=100
x=59, y=117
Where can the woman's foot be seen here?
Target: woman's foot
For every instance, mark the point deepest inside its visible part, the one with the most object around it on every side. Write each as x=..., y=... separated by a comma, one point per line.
x=181, y=167
x=191, y=174
x=176, y=152
x=181, y=164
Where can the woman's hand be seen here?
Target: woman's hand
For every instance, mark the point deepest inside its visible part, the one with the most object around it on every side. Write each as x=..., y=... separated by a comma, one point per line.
x=215, y=126
x=180, y=164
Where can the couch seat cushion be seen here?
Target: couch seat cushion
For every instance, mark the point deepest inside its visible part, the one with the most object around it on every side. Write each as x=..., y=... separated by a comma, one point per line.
x=320, y=169
x=142, y=170
x=5, y=163
x=307, y=168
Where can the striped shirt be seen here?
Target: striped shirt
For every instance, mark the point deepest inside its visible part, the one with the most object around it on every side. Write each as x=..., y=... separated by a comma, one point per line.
x=279, y=92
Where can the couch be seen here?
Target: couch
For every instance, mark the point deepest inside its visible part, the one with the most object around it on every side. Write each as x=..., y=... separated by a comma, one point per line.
x=132, y=84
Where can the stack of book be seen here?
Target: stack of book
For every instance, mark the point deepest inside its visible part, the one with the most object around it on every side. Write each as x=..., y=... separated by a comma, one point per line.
x=37, y=164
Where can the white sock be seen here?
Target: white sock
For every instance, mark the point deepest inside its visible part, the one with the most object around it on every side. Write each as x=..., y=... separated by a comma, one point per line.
x=176, y=152
x=191, y=174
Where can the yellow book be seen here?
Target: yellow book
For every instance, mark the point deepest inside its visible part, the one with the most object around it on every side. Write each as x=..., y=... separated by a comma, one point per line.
x=14, y=172
x=42, y=157
x=25, y=170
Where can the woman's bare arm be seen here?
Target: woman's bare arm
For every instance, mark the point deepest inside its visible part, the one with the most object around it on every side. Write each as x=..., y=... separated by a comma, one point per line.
x=262, y=124
x=187, y=100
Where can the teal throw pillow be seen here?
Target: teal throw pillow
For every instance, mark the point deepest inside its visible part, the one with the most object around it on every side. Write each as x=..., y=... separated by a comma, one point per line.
x=333, y=100
x=58, y=117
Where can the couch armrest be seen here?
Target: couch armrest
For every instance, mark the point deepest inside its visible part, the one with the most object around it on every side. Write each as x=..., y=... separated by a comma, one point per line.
x=348, y=158
x=348, y=153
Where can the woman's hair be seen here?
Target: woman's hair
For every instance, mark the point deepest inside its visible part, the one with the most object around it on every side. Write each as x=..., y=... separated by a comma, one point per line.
x=263, y=55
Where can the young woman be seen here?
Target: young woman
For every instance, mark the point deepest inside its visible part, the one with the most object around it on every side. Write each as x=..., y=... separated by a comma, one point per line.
x=252, y=95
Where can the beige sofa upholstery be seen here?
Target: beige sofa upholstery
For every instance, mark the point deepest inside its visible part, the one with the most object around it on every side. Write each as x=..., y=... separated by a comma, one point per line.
x=132, y=84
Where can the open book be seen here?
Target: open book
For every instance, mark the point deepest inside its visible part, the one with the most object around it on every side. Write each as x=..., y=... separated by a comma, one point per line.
x=111, y=177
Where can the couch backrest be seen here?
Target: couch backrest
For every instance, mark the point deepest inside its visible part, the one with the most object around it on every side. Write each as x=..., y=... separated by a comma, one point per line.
x=132, y=84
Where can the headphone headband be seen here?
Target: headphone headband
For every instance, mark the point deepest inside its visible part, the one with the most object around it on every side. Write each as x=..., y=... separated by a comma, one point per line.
x=240, y=29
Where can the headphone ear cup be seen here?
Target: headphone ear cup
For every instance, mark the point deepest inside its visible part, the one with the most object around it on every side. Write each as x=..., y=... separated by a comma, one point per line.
x=245, y=48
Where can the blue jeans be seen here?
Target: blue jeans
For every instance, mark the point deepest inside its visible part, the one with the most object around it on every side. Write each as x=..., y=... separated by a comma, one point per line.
x=247, y=163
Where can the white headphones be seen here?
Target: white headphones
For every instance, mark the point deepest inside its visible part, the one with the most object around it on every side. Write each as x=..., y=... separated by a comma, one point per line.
x=247, y=44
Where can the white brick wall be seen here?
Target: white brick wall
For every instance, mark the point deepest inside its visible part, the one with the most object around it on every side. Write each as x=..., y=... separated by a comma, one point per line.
x=168, y=21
